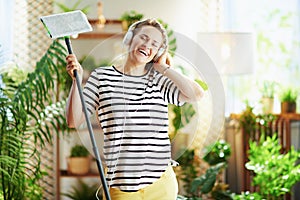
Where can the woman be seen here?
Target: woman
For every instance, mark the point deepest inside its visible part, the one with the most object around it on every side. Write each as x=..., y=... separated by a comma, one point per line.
x=131, y=104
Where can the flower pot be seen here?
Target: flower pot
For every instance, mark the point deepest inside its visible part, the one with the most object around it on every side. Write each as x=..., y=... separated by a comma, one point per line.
x=124, y=25
x=78, y=165
x=94, y=167
x=267, y=105
x=288, y=107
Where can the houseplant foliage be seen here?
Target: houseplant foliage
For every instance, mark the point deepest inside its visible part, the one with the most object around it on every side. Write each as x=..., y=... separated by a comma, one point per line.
x=205, y=184
x=219, y=152
x=251, y=123
x=172, y=43
x=188, y=170
x=30, y=113
x=275, y=173
x=288, y=97
x=210, y=184
x=183, y=114
x=75, y=6
x=79, y=151
x=130, y=17
x=84, y=191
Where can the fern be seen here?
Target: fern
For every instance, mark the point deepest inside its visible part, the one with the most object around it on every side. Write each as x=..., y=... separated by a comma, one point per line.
x=29, y=117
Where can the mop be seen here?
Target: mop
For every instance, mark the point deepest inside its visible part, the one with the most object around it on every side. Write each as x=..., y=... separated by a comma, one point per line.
x=64, y=25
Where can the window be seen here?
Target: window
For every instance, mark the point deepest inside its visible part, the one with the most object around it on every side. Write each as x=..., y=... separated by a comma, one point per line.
x=276, y=27
x=6, y=33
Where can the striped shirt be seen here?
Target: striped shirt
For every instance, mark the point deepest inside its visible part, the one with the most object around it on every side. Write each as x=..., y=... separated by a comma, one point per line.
x=133, y=113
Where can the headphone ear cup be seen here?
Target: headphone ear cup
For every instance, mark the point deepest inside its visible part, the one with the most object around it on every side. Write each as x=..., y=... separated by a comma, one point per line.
x=159, y=53
x=127, y=38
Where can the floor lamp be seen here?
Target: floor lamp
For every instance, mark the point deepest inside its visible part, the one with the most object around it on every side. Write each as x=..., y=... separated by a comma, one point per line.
x=232, y=54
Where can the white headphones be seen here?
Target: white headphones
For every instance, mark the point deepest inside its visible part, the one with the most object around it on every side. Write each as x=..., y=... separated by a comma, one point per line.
x=129, y=35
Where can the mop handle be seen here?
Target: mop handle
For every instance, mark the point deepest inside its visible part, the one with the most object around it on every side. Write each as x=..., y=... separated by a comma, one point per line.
x=95, y=149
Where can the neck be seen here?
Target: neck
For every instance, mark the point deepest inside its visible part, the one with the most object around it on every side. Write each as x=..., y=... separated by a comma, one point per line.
x=133, y=69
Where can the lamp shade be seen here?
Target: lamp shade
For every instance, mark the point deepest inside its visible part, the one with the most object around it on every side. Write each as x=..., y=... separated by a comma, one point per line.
x=231, y=52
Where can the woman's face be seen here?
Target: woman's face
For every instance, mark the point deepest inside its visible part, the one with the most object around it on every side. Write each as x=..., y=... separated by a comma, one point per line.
x=145, y=44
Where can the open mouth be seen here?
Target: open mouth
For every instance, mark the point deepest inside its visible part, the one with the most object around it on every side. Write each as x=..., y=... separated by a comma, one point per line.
x=143, y=52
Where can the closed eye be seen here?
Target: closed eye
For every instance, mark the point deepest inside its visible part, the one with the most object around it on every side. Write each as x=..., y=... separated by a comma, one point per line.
x=144, y=37
x=155, y=44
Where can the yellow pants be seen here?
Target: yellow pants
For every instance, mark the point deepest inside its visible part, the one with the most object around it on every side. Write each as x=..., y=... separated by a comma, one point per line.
x=165, y=188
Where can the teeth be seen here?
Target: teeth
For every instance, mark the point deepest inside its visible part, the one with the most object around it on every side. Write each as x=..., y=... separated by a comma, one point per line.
x=144, y=52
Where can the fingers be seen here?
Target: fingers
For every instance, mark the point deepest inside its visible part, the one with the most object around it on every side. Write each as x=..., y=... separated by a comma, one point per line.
x=165, y=59
x=73, y=64
x=169, y=60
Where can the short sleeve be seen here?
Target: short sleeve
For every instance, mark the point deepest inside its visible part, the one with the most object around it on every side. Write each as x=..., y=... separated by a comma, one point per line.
x=91, y=92
x=168, y=89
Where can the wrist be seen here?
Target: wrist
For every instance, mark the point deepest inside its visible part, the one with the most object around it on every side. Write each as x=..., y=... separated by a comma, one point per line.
x=165, y=70
x=162, y=68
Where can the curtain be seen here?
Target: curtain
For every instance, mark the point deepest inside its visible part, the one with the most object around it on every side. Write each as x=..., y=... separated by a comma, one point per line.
x=6, y=33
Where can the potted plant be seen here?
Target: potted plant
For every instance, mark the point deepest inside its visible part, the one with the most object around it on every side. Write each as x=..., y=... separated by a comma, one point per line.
x=288, y=97
x=79, y=160
x=129, y=17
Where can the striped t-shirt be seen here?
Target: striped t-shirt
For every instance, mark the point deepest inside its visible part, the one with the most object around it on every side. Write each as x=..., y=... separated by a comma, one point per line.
x=133, y=113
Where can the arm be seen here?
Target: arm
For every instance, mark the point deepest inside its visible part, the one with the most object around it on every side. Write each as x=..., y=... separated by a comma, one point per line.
x=190, y=90
x=74, y=114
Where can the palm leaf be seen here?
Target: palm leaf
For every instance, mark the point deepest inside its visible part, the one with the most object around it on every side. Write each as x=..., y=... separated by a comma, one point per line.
x=206, y=181
x=25, y=123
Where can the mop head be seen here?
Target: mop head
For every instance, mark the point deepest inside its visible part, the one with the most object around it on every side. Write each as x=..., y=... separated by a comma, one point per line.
x=66, y=24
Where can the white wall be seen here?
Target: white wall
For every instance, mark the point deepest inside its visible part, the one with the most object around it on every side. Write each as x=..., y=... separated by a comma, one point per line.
x=183, y=16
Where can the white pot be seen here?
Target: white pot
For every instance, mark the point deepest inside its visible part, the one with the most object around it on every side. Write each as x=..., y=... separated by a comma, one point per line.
x=267, y=105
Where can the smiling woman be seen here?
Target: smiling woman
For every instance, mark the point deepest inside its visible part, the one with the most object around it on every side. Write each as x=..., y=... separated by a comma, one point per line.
x=131, y=101
x=145, y=46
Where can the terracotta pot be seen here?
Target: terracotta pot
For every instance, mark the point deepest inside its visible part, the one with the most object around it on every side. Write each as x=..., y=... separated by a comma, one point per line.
x=78, y=165
x=288, y=107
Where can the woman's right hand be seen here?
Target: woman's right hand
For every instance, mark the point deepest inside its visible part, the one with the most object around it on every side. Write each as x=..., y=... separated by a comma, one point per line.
x=72, y=64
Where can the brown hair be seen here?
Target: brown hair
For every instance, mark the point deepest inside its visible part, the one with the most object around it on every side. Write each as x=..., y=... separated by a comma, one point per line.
x=151, y=22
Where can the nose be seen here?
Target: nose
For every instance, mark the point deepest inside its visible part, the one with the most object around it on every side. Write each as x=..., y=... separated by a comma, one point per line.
x=147, y=44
